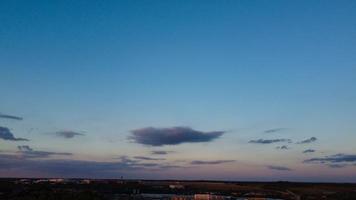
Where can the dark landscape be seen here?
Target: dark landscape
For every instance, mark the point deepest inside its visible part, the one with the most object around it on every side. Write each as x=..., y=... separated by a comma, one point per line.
x=87, y=189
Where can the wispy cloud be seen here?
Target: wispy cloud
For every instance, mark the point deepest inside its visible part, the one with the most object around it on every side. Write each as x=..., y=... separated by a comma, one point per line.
x=309, y=151
x=27, y=152
x=10, y=117
x=267, y=141
x=24, y=148
x=68, y=134
x=161, y=152
x=172, y=136
x=283, y=147
x=306, y=141
x=77, y=168
x=211, y=162
x=337, y=158
x=6, y=134
x=337, y=165
x=143, y=161
x=279, y=168
x=274, y=130
x=147, y=158
x=335, y=161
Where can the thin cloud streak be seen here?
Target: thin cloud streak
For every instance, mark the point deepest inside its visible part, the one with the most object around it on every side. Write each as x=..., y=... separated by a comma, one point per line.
x=337, y=158
x=68, y=134
x=283, y=147
x=10, y=117
x=279, y=168
x=76, y=168
x=212, y=162
x=161, y=152
x=336, y=166
x=26, y=151
x=274, y=130
x=269, y=141
x=147, y=158
x=307, y=141
x=309, y=151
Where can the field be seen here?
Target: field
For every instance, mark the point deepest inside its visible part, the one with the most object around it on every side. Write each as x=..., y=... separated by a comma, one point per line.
x=28, y=189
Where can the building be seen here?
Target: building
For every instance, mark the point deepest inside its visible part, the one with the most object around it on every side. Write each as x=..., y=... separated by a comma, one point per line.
x=207, y=197
x=176, y=186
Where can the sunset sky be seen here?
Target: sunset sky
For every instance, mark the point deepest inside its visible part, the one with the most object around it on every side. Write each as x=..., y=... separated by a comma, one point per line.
x=179, y=89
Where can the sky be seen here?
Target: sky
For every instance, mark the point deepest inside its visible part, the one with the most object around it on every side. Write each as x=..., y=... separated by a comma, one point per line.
x=215, y=90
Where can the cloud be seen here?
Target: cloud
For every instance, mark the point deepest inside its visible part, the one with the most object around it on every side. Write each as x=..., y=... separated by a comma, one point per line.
x=337, y=158
x=60, y=168
x=27, y=152
x=283, y=147
x=147, y=158
x=68, y=134
x=213, y=162
x=172, y=136
x=127, y=159
x=77, y=168
x=337, y=165
x=279, y=168
x=309, y=151
x=141, y=161
x=24, y=148
x=161, y=152
x=6, y=134
x=163, y=167
x=274, y=130
x=10, y=117
x=263, y=141
x=306, y=141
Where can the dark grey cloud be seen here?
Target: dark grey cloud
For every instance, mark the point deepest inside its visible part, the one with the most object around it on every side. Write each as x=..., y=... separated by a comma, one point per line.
x=306, y=141
x=172, y=136
x=279, y=168
x=161, y=152
x=27, y=152
x=263, y=141
x=283, y=147
x=309, y=151
x=212, y=162
x=337, y=158
x=6, y=134
x=68, y=134
x=274, y=130
x=147, y=158
x=10, y=117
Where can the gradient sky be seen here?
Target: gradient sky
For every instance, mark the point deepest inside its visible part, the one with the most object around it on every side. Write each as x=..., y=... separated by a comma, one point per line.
x=82, y=77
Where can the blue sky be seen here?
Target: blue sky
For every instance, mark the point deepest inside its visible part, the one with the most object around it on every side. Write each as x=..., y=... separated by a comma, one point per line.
x=99, y=71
